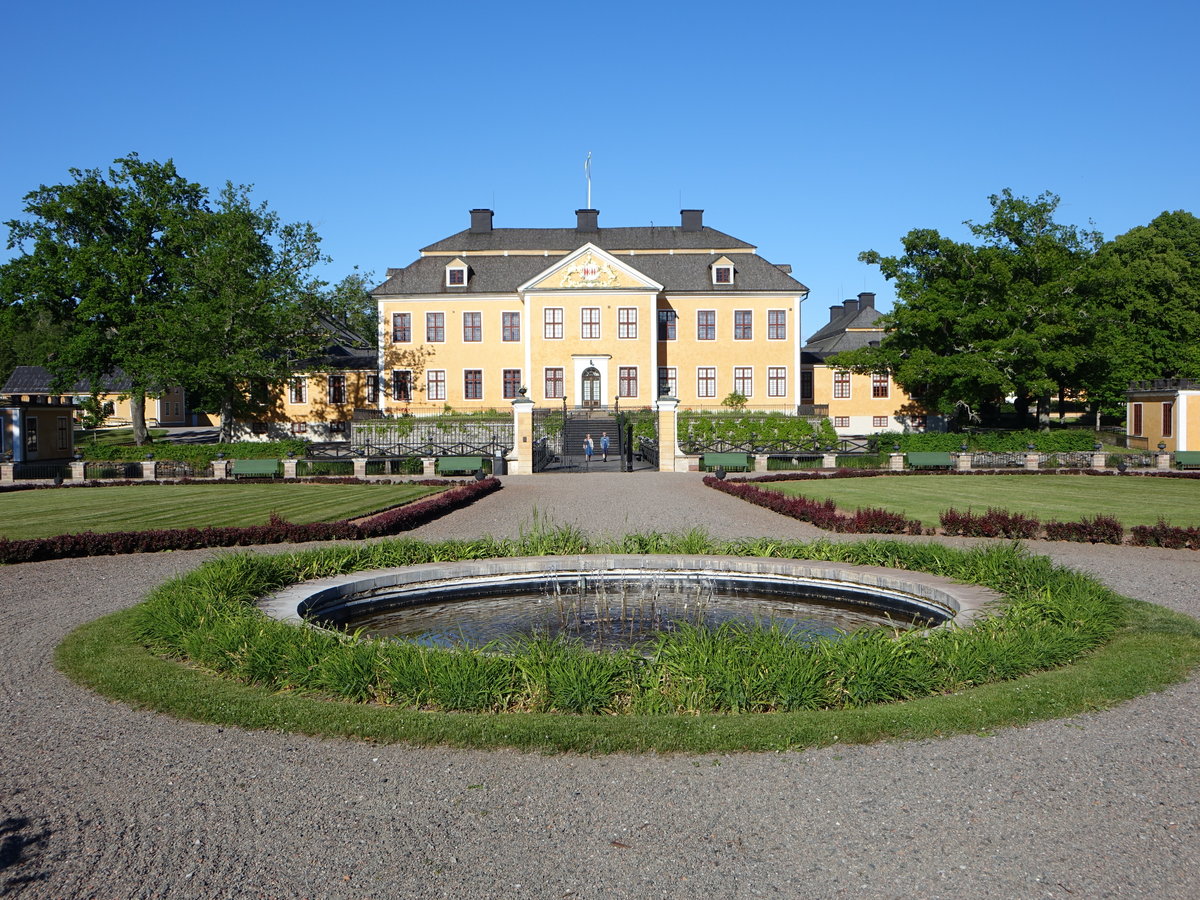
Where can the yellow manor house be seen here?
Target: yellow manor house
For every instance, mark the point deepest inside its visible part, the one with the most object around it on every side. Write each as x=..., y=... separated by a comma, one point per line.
x=591, y=316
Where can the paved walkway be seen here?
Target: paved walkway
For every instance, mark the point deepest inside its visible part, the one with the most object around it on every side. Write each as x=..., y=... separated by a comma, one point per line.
x=99, y=800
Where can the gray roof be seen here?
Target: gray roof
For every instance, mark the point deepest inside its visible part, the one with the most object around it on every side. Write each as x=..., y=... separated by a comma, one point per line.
x=683, y=272
x=37, y=380
x=835, y=337
x=346, y=349
x=563, y=240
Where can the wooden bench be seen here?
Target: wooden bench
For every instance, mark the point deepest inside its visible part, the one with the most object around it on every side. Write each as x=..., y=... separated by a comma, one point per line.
x=726, y=461
x=255, y=468
x=467, y=464
x=930, y=459
x=1187, y=459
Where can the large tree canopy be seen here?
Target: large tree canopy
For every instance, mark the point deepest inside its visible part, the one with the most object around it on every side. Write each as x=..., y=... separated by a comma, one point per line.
x=976, y=322
x=142, y=273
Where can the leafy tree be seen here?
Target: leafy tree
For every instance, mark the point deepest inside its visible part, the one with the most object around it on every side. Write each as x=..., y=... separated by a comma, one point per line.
x=975, y=322
x=249, y=309
x=350, y=301
x=1146, y=285
x=98, y=260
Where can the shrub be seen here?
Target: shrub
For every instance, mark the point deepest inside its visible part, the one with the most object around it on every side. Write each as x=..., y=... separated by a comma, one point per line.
x=993, y=523
x=1095, y=530
x=1165, y=535
x=821, y=513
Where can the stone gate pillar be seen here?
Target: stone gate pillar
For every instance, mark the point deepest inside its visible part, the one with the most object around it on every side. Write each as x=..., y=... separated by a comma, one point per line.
x=668, y=433
x=520, y=460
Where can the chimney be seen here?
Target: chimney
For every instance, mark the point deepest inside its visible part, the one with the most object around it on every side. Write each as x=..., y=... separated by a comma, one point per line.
x=834, y=312
x=586, y=219
x=481, y=221
x=691, y=219
x=866, y=300
x=785, y=268
x=850, y=305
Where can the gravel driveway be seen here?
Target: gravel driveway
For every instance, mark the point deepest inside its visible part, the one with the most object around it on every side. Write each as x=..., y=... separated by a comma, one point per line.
x=99, y=800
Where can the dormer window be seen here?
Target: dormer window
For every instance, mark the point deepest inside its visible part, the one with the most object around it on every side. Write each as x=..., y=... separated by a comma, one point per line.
x=456, y=274
x=722, y=271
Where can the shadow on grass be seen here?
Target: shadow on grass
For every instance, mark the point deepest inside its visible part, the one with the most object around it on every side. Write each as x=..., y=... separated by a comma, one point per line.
x=1156, y=647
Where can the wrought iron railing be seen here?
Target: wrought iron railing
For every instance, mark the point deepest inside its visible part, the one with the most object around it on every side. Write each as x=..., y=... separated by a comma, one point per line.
x=168, y=468
x=111, y=469
x=29, y=471
x=543, y=454
x=648, y=447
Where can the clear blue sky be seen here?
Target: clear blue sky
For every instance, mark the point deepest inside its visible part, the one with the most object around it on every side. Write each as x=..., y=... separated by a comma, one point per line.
x=814, y=130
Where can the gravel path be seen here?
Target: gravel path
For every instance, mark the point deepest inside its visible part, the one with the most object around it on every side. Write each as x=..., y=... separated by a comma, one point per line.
x=98, y=800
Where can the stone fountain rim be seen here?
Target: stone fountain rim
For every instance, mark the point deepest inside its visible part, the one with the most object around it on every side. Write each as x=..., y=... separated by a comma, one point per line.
x=964, y=603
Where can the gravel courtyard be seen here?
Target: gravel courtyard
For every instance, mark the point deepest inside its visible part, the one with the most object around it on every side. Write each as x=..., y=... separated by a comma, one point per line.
x=99, y=800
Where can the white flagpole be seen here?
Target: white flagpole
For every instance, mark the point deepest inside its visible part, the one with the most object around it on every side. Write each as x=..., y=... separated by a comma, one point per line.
x=587, y=170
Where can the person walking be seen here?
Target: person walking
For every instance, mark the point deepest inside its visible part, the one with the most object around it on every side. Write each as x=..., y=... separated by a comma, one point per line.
x=588, y=447
x=604, y=446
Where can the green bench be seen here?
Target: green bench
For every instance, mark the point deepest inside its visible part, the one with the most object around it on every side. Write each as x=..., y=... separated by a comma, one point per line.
x=255, y=468
x=930, y=459
x=458, y=464
x=726, y=461
x=1187, y=459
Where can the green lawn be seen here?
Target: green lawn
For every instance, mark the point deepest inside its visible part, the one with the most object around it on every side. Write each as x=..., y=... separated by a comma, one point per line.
x=1131, y=500
x=33, y=514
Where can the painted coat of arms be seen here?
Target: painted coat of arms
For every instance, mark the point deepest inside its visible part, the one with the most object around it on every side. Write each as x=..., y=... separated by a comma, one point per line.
x=589, y=272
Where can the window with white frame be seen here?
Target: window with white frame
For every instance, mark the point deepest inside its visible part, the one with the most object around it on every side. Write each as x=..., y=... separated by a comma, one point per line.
x=706, y=381
x=372, y=388
x=299, y=428
x=879, y=386
x=627, y=381
x=706, y=325
x=31, y=434
x=456, y=276
x=510, y=326
x=401, y=328
x=402, y=385
x=552, y=323
x=1168, y=419
x=841, y=385
x=472, y=327
x=435, y=384
x=627, y=322
x=337, y=388
x=512, y=383
x=473, y=384
x=435, y=327
x=776, y=324
x=841, y=421
x=668, y=384
x=777, y=381
x=337, y=427
x=879, y=421
x=297, y=390
x=743, y=324
x=555, y=386
x=666, y=325
x=1135, y=425
x=743, y=380
x=722, y=274
x=589, y=323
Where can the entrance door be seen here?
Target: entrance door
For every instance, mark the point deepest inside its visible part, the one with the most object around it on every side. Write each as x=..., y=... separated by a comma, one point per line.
x=591, y=387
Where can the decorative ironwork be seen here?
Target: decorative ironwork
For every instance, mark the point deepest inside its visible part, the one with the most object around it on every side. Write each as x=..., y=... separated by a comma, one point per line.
x=432, y=436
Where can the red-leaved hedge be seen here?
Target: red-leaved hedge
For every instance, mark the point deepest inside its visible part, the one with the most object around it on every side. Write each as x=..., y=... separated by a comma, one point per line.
x=276, y=531
x=823, y=514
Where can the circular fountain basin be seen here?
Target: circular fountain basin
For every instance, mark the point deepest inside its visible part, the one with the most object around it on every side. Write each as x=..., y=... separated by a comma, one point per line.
x=610, y=601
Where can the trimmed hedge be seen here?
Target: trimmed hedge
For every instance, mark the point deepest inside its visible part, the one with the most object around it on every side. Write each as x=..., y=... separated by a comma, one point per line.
x=1006, y=442
x=276, y=531
x=823, y=514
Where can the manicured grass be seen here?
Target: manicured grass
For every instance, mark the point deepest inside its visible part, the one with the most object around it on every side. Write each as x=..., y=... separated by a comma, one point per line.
x=45, y=513
x=113, y=437
x=1131, y=500
x=1155, y=648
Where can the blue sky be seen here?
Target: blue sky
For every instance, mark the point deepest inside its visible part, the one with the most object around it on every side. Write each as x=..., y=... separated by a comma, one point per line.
x=814, y=130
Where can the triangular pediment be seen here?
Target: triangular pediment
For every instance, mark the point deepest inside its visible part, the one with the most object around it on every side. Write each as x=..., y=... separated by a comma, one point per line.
x=590, y=268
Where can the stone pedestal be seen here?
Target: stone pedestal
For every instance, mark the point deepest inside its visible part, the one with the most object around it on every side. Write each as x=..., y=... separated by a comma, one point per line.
x=221, y=468
x=962, y=461
x=360, y=468
x=6, y=473
x=760, y=463
x=79, y=470
x=1162, y=461
x=895, y=462
x=429, y=466
x=1033, y=460
x=149, y=469
x=289, y=468
x=1099, y=460
x=829, y=461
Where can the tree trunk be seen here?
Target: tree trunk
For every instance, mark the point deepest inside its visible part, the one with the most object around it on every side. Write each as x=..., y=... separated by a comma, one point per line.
x=226, y=419
x=1043, y=412
x=137, y=416
x=1062, y=402
x=1021, y=405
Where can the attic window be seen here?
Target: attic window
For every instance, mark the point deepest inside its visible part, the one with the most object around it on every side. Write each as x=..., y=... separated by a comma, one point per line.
x=456, y=275
x=722, y=274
